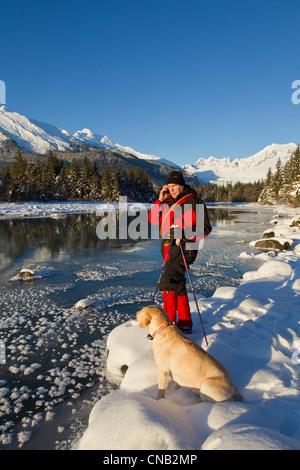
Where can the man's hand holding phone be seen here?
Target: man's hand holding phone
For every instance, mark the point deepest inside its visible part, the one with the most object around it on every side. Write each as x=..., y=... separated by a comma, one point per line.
x=164, y=193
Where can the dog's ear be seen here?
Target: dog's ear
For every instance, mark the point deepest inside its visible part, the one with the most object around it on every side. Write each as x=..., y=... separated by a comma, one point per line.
x=143, y=317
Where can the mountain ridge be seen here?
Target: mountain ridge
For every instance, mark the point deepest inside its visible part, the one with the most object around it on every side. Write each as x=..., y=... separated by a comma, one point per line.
x=35, y=139
x=38, y=138
x=244, y=170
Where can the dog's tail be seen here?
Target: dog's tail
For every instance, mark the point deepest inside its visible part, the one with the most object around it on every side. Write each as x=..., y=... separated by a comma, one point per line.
x=236, y=395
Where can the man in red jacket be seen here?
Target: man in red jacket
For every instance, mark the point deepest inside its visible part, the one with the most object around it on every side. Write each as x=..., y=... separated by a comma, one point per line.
x=177, y=211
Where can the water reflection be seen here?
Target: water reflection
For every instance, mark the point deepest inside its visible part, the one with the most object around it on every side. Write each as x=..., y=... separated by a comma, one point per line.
x=75, y=235
x=219, y=216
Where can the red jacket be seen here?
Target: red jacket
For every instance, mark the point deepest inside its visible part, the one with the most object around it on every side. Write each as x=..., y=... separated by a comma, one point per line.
x=181, y=214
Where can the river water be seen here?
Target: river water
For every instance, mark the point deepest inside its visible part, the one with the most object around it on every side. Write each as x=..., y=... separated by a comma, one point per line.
x=54, y=367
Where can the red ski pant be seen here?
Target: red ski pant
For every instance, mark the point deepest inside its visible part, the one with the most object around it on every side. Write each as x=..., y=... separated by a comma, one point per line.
x=177, y=303
x=173, y=284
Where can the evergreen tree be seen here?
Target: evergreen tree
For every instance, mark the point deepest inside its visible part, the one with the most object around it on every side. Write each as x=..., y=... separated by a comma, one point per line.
x=18, y=178
x=115, y=187
x=287, y=173
x=95, y=185
x=277, y=178
x=109, y=185
x=62, y=182
x=73, y=180
x=54, y=165
x=148, y=192
x=31, y=181
x=85, y=179
x=5, y=181
x=279, y=185
x=269, y=177
x=51, y=179
x=295, y=165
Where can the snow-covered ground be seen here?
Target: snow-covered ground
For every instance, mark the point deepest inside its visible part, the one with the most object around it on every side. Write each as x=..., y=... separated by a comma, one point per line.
x=56, y=209
x=254, y=330
x=252, y=327
x=42, y=209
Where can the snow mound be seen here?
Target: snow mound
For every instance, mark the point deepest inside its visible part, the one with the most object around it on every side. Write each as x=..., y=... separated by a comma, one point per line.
x=248, y=437
x=162, y=426
x=270, y=270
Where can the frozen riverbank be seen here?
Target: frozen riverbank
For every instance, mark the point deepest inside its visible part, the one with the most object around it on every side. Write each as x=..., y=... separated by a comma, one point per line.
x=46, y=209
x=52, y=209
x=254, y=330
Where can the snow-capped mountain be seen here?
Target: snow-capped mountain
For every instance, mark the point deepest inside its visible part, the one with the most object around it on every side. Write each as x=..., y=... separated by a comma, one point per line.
x=87, y=137
x=31, y=136
x=245, y=170
x=39, y=137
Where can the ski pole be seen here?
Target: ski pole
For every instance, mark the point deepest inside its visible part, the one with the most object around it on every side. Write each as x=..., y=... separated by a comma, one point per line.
x=187, y=269
x=162, y=271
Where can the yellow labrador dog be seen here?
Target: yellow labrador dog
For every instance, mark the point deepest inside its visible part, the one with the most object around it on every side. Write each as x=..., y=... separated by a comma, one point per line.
x=188, y=364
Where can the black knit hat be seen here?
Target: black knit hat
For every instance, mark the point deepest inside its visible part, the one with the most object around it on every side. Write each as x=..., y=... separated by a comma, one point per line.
x=176, y=177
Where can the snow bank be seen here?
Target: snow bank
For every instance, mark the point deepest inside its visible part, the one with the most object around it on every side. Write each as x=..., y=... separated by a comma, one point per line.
x=58, y=209
x=44, y=209
x=254, y=331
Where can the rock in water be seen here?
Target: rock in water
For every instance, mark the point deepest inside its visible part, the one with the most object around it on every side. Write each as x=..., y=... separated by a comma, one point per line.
x=26, y=274
x=273, y=243
x=84, y=303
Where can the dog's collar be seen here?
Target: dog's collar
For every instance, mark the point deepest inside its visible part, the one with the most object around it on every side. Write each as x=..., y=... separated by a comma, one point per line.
x=162, y=327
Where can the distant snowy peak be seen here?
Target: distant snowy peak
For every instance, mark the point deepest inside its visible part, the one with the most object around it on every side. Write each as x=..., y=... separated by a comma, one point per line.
x=102, y=141
x=39, y=137
x=254, y=168
x=87, y=137
x=30, y=135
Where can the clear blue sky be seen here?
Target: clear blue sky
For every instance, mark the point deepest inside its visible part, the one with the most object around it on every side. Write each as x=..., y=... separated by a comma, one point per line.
x=176, y=78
